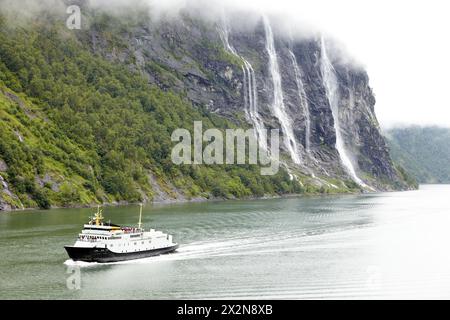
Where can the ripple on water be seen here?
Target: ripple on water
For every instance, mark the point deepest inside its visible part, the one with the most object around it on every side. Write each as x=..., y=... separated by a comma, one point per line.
x=300, y=248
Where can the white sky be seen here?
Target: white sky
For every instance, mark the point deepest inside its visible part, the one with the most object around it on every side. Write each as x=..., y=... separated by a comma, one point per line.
x=404, y=44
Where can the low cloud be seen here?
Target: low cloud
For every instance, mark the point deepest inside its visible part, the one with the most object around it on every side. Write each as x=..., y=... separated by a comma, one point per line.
x=402, y=43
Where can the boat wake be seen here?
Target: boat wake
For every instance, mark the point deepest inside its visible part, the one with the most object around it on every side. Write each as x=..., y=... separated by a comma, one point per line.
x=71, y=263
x=236, y=246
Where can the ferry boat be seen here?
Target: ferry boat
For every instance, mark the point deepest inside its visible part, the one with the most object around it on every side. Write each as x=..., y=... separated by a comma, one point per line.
x=105, y=242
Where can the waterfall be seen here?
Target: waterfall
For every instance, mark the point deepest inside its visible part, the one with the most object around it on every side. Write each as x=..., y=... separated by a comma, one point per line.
x=303, y=102
x=331, y=87
x=278, y=108
x=250, y=91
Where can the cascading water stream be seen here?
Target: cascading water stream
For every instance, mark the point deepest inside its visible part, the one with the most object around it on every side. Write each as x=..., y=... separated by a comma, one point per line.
x=250, y=92
x=278, y=108
x=331, y=86
x=303, y=102
x=305, y=107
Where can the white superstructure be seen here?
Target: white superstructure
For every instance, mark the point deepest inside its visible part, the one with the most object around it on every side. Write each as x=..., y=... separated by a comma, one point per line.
x=106, y=242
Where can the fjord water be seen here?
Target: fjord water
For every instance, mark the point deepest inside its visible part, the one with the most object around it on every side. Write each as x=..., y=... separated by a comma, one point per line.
x=386, y=245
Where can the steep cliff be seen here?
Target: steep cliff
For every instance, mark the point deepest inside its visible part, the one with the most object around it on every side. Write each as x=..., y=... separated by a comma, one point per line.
x=209, y=62
x=112, y=93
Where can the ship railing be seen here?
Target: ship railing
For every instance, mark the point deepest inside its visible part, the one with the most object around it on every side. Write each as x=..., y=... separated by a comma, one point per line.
x=131, y=230
x=88, y=239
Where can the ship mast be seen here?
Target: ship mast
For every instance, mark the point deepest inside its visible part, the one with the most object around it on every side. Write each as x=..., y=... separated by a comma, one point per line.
x=140, y=217
x=98, y=216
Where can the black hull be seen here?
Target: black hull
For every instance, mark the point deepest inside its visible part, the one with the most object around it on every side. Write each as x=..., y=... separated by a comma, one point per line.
x=104, y=255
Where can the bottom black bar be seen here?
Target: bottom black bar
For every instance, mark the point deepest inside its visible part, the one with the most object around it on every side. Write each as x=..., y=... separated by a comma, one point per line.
x=223, y=309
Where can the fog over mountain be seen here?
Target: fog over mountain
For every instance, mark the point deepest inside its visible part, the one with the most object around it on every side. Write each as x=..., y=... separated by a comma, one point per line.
x=401, y=43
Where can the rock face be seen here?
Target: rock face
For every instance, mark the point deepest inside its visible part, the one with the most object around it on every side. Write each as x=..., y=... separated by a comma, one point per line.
x=208, y=62
x=4, y=190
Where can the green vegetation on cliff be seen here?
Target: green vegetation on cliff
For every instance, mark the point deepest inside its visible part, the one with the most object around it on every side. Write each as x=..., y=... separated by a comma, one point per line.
x=78, y=129
x=423, y=151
